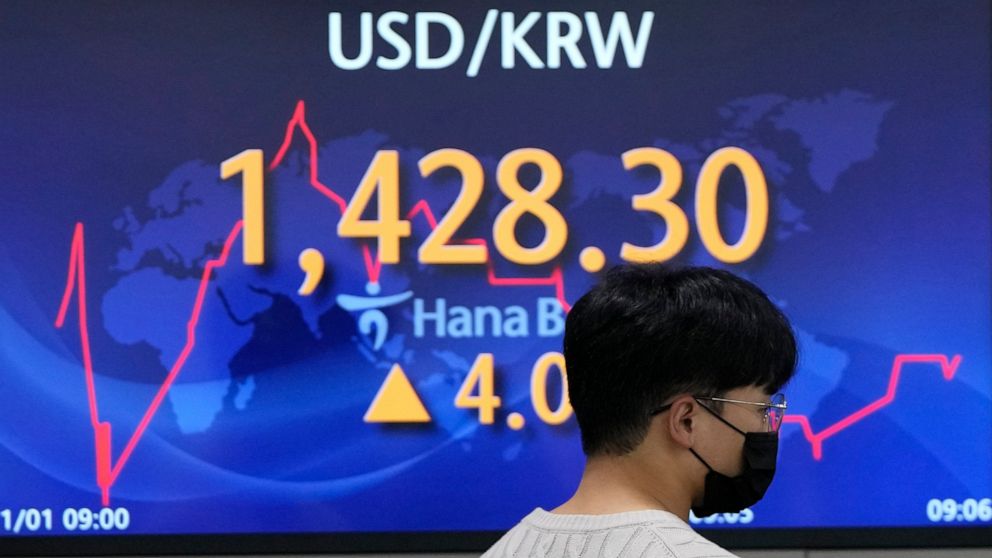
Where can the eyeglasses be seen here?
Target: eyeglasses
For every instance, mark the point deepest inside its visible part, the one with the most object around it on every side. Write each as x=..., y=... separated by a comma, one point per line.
x=773, y=411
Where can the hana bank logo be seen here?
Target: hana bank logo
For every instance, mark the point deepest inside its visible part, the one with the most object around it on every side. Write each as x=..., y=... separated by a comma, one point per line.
x=372, y=320
x=563, y=35
x=439, y=319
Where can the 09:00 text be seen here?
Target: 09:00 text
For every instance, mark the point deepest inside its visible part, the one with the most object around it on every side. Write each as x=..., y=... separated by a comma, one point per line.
x=32, y=520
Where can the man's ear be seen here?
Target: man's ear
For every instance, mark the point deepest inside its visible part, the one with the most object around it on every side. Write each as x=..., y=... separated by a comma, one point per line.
x=681, y=420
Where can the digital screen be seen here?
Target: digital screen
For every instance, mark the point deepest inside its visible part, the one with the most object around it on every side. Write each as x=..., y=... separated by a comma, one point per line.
x=301, y=269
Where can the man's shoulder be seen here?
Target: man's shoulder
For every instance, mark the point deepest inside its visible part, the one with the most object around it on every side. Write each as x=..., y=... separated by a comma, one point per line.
x=684, y=542
x=648, y=533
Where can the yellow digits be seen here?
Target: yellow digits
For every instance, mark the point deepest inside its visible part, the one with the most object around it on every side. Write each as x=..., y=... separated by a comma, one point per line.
x=481, y=381
x=539, y=389
x=534, y=202
x=481, y=375
x=660, y=202
x=382, y=180
x=707, y=219
x=435, y=249
x=250, y=164
x=382, y=177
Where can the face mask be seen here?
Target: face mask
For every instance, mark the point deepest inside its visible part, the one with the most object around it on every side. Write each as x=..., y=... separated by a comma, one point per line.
x=723, y=494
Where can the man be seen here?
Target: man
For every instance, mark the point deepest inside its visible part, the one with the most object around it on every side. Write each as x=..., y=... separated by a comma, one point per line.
x=671, y=372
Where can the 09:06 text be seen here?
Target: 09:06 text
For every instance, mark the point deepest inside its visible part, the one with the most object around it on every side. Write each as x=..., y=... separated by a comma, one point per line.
x=969, y=510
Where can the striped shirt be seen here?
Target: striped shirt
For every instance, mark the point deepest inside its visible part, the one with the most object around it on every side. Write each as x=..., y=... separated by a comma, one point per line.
x=637, y=534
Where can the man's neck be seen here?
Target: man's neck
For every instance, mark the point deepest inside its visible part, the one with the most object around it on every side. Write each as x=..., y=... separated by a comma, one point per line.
x=620, y=484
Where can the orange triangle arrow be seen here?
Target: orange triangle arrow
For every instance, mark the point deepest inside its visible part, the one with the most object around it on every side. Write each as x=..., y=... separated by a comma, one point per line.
x=397, y=401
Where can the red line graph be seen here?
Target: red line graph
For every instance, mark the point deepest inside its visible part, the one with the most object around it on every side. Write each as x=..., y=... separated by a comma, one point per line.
x=948, y=368
x=373, y=266
x=106, y=470
x=299, y=121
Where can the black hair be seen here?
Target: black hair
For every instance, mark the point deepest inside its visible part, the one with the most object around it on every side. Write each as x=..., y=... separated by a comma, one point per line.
x=648, y=332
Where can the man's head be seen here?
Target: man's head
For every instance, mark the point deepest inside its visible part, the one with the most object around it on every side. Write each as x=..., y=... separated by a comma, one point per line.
x=650, y=334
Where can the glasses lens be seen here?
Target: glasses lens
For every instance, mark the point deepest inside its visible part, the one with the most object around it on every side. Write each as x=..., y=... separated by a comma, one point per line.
x=776, y=414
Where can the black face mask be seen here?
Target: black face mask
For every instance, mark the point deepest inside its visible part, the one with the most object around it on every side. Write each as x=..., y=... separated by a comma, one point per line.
x=723, y=494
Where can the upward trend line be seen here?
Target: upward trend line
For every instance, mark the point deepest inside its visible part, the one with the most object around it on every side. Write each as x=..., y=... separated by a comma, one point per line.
x=948, y=367
x=107, y=471
x=373, y=265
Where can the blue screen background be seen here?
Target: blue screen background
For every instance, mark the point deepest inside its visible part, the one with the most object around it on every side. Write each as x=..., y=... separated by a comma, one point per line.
x=871, y=123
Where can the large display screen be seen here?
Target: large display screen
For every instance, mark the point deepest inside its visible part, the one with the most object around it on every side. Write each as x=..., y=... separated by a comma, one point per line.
x=300, y=270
